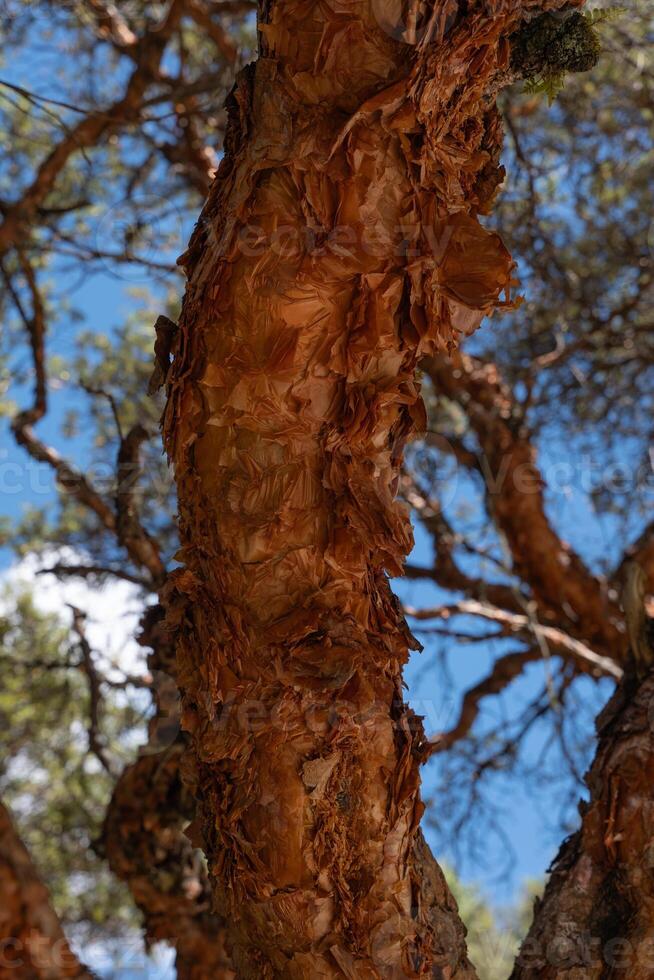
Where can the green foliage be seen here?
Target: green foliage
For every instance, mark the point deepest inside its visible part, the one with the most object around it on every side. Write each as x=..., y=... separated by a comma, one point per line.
x=494, y=933
x=56, y=789
x=604, y=15
x=546, y=49
x=549, y=85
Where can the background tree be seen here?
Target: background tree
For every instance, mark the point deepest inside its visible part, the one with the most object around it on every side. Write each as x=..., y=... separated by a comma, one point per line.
x=62, y=750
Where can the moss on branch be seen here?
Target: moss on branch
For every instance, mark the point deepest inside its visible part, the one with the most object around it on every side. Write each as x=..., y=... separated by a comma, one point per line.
x=546, y=48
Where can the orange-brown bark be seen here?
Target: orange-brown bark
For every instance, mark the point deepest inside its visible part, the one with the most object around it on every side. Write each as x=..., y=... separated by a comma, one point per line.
x=147, y=848
x=144, y=835
x=339, y=244
x=32, y=943
x=596, y=919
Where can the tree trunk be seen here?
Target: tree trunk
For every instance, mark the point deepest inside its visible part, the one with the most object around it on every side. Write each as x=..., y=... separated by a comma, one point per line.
x=339, y=244
x=32, y=943
x=596, y=919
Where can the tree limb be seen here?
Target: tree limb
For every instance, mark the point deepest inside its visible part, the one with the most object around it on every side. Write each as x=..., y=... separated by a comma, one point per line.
x=560, y=641
x=96, y=744
x=32, y=940
x=562, y=585
x=505, y=670
x=144, y=835
x=89, y=130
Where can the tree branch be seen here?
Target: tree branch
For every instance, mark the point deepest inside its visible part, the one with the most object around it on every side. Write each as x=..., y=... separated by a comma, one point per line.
x=62, y=570
x=131, y=533
x=110, y=24
x=139, y=545
x=18, y=216
x=202, y=16
x=640, y=551
x=31, y=937
x=560, y=641
x=504, y=671
x=446, y=572
x=87, y=665
x=562, y=585
x=144, y=835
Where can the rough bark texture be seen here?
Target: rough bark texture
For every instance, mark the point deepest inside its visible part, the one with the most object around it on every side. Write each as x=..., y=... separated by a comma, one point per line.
x=144, y=837
x=32, y=943
x=596, y=919
x=339, y=244
x=147, y=848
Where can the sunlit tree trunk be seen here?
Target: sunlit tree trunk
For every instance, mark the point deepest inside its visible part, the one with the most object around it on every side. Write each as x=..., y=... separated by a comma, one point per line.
x=339, y=244
x=32, y=943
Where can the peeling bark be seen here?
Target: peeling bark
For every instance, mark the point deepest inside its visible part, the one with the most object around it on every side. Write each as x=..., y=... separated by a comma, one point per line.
x=596, y=919
x=147, y=848
x=339, y=244
x=32, y=943
x=144, y=839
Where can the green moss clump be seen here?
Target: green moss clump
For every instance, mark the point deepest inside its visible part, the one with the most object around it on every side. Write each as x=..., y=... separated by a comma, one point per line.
x=547, y=45
x=546, y=48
